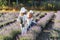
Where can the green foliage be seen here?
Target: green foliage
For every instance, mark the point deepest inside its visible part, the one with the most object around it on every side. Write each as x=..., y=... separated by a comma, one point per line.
x=3, y=2
x=0, y=14
x=14, y=3
x=11, y=36
x=45, y=4
x=14, y=33
x=8, y=38
x=5, y=37
x=1, y=37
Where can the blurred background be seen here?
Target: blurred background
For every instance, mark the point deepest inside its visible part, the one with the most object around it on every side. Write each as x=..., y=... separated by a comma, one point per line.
x=30, y=4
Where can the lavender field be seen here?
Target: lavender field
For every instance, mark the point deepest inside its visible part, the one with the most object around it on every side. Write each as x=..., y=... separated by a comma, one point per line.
x=48, y=27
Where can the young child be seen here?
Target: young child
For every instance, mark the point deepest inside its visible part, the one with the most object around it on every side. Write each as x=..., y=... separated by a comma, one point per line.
x=30, y=20
x=22, y=18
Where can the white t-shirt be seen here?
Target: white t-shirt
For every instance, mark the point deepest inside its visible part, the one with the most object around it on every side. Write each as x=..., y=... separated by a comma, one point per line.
x=29, y=21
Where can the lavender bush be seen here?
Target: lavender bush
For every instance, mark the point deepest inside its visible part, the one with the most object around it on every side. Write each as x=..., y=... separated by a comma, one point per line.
x=6, y=31
x=31, y=34
x=57, y=21
x=43, y=21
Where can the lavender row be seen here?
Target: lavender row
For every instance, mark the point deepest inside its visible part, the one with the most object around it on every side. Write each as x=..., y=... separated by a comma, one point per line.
x=7, y=22
x=43, y=21
x=31, y=34
x=57, y=21
x=8, y=16
x=35, y=30
x=7, y=30
x=39, y=15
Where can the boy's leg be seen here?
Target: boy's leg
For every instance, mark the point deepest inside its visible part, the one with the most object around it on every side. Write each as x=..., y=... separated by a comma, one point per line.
x=24, y=30
x=21, y=26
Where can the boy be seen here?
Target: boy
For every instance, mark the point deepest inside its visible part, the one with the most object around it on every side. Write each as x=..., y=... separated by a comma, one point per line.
x=30, y=20
x=22, y=18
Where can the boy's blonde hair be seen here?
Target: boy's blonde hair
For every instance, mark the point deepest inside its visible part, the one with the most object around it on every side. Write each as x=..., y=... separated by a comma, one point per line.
x=29, y=15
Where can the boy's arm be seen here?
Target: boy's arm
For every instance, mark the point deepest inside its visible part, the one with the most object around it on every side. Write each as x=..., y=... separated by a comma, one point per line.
x=33, y=19
x=18, y=19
